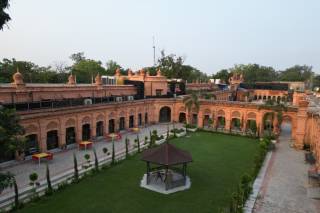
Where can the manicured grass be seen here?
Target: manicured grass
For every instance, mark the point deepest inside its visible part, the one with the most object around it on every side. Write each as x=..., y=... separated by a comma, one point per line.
x=219, y=162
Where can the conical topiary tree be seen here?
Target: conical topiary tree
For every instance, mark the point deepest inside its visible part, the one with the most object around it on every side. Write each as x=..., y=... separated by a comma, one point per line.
x=75, y=165
x=50, y=190
x=138, y=143
x=127, y=146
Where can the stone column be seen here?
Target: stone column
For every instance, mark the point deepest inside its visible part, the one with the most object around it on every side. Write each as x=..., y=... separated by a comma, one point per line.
x=62, y=135
x=93, y=128
x=43, y=139
x=200, y=120
x=78, y=130
x=135, y=123
x=301, y=124
x=244, y=124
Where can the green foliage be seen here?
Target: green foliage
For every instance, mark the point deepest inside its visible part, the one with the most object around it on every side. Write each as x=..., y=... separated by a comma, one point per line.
x=96, y=160
x=255, y=72
x=232, y=163
x=105, y=150
x=87, y=157
x=127, y=146
x=191, y=102
x=113, y=157
x=4, y=16
x=172, y=66
x=33, y=177
x=86, y=70
x=223, y=74
x=49, y=189
x=297, y=73
x=75, y=166
x=138, y=143
x=11, y=132
x=33, y=73
x=6, y=180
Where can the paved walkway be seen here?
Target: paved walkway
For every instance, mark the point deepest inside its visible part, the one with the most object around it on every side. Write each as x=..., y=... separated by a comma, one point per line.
x=63, y=161
x=284, y=188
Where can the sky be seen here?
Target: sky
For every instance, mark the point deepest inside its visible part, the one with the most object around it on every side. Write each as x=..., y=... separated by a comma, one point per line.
x=210, y=34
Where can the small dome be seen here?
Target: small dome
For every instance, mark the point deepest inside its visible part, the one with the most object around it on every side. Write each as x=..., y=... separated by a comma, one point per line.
x=17, y=78
x=71, y=79
x=159, y=72
x=98, y=79
x=130, y=73
x=118, y=73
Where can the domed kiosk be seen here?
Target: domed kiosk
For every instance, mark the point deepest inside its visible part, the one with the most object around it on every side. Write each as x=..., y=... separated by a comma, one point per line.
x=166, y=169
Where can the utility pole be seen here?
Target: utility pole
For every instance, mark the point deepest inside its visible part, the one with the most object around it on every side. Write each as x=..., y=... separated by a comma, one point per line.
x=154, y=52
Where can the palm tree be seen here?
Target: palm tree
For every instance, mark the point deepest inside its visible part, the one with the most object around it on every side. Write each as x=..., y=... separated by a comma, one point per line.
x=8, y=180
x=191, y=102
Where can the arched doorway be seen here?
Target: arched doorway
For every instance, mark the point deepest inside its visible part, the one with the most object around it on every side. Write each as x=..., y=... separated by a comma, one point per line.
x=111, y=126
x=221, y=122
x=146, y=118
x=206, y=121
x=236, y=124
x=139, y=119
x=165, y=114
x=131, y=121
x=182, y=117
x=268, y=124
x=194, y=119
x=122, y=123
x=99, y=129
x=251, y=127
x=286, y=127
x=86, y=132
x=52, y=139
x=31, y=144
x=70, y=135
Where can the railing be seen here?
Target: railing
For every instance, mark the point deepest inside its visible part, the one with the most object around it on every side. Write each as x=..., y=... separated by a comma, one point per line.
x=7, y=200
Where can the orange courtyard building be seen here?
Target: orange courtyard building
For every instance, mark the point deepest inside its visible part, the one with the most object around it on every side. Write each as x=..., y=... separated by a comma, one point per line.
x=56, y=116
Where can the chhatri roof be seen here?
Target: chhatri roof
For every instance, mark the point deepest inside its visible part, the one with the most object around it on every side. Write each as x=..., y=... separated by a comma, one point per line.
x=166, y=154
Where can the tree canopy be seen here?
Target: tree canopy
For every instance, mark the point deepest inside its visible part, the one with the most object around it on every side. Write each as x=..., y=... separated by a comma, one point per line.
x=10, y=132
x=4, y=16
x=172, y=66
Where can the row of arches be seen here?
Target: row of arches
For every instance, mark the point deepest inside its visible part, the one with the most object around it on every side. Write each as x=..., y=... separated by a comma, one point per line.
x=69, y=133
x=243, y=121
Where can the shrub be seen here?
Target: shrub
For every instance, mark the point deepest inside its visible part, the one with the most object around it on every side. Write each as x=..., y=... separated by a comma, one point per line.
x=96, y=161
x=138, y=143
x=33, y=177
x=87, y=157
x=49, y=189
x=105, y=150
x=75, y=165
x=127, y=146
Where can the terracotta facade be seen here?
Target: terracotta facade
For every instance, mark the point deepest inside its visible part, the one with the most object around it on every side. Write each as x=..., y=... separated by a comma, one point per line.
x=56, y=127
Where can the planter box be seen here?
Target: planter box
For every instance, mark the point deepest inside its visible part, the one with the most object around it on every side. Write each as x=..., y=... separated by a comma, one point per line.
x=180, y=134
x=192, y=129
x=160, y=141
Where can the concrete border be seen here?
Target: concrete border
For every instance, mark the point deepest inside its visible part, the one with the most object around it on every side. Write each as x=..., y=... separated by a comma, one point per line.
x=257, y=185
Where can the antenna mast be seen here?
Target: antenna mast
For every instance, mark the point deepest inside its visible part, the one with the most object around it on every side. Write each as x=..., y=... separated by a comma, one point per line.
x=154, y=52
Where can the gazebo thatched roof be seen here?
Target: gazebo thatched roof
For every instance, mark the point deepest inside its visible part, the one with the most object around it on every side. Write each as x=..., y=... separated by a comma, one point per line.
x=166, y=154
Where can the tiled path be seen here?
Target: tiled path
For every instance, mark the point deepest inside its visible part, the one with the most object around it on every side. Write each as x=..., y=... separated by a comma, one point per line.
x=284, y=189
x=63, y=161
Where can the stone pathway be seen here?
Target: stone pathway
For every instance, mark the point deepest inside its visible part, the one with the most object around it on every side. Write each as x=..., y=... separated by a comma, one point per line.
x=284, y=189
x=63, y=161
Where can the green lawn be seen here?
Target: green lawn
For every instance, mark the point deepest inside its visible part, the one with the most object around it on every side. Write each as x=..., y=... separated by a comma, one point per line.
x=219, y=161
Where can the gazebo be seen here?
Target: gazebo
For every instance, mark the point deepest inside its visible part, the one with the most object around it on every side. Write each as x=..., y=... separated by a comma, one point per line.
x=170, y=171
